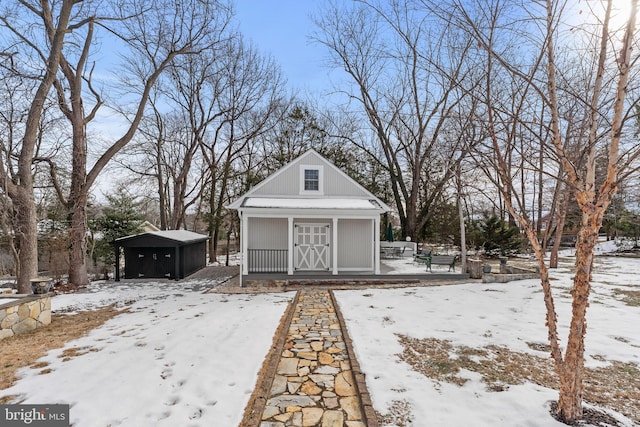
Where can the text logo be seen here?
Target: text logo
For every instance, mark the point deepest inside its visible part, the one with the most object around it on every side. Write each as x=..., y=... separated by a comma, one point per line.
x=34, y=415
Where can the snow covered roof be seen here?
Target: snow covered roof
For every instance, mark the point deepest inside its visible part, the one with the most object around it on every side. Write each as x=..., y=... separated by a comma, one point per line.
x=181, y=236
x=302, y=203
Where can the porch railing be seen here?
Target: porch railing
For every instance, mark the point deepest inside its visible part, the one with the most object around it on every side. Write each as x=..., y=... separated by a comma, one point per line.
x=267, y=260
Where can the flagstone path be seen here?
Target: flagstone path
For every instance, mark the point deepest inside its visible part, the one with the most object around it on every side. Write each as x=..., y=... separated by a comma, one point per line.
x=314, y=382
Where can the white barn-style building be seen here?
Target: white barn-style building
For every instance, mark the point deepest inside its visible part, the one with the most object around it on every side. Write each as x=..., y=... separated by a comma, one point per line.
x=309, y=217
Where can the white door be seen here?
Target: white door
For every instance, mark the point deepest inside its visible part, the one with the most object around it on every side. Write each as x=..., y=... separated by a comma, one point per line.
x=311, y=247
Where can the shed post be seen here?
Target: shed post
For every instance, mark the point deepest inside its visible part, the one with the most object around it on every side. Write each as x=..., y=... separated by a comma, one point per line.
x=117, y=249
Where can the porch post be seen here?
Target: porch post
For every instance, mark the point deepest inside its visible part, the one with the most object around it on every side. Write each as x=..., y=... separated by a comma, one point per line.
x=376, y=244
x=244, y=242
x=290, y=246
x=334, y=252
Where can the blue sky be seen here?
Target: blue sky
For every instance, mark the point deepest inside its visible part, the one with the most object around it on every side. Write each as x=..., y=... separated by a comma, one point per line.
x=282, y=28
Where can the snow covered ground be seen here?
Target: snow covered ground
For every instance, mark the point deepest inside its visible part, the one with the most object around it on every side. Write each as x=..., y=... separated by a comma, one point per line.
x=478, y=315
x=177, y=358
x=181, y=357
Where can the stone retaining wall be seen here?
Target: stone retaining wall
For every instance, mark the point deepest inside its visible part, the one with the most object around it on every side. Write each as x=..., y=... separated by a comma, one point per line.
x=27, y=313
x=504, y=278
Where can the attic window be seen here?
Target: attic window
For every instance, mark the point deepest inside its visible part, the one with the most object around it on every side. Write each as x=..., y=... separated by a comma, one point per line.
x=311, y=179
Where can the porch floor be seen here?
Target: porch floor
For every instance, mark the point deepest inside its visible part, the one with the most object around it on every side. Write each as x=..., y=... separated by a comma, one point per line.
x=356, y=276
x=391, y=271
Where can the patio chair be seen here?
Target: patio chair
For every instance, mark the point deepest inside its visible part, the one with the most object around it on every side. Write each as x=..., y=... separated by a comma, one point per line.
x=398, y=252
x=386, y=253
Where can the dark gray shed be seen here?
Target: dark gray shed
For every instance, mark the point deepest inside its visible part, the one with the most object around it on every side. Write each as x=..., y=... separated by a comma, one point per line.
x=172, y=254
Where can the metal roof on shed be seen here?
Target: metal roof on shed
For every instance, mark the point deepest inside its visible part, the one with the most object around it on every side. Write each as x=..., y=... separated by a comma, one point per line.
x=179, y=237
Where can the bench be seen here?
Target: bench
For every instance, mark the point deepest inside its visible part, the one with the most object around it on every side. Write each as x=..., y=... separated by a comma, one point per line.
x=422, y=257
x=449, y=260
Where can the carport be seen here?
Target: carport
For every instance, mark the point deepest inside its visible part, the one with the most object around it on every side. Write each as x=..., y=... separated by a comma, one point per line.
x=170, y=254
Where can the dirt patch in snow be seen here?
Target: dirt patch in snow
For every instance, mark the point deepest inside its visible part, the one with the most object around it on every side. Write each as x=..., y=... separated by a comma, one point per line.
x=629, y=297
x=398, y=414
x=25, y=349
x=616, y=386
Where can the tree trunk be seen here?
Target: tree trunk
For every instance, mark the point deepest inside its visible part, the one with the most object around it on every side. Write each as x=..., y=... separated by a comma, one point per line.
x=27, y=236
x=78, y=275
x=541, y=193
x=228, y=245
x=550, y=222
x=463, y=232
x=409, y=223
x=213, y=246
x=77, y=201
x=560, y=220
x=572, y=372
x=22, y=192
x=161, y=186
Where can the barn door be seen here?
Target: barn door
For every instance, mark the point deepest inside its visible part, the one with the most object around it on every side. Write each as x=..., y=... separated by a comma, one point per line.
x=164, y=262
x=155, y=263
x=311, y=247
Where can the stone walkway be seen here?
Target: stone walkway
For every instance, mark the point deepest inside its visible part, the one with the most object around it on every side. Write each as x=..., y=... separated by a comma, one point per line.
x=314, y=383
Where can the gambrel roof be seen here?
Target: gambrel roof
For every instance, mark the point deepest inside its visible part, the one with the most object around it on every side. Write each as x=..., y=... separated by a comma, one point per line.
x=284, y=189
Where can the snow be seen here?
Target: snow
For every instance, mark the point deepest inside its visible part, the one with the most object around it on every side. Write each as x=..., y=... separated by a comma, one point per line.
x=307, y=203
x=178, y=357
x=478, y=315
x=179, y=235
x=182, y=357
x=184, y=236
x=407, y=265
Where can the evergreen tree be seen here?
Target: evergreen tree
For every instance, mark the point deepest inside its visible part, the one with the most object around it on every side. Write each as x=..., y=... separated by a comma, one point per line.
x=499, y=237
x=119, y=219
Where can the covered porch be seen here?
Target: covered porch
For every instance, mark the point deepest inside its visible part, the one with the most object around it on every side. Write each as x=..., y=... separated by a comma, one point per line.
x=327, y=243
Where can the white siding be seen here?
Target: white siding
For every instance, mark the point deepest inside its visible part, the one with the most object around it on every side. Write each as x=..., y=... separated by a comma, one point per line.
x=287, y=182
x=335, y=184
x=355, y=244
x=267, y=233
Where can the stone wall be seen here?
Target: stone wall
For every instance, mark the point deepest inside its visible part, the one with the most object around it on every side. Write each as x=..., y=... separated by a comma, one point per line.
x=504, y=278
x=24, y=313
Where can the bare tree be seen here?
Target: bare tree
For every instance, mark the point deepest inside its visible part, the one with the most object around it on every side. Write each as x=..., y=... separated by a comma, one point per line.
x=152, y=33
x=249, y=99
x=166, y=155
x=56, y=23
x=405, y=68
x=605, y=109
x=156, y=33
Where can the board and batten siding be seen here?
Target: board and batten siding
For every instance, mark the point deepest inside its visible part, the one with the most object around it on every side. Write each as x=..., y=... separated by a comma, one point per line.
x=267, y=233
x=355, y=251
x=287, y=182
